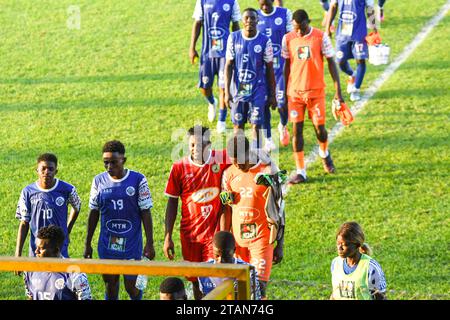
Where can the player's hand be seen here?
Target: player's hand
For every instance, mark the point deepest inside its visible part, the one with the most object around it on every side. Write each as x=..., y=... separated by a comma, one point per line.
x=272, y=102
x=193, y=56
x=278, y=254
x=169, y=249
x=338, y=96
x=88, y=252
x=149, y=251
x=228, y=100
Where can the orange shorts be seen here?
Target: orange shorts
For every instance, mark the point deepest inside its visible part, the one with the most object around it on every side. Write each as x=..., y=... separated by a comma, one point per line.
x=315, y=106
x=196, y=252
x=259, y=254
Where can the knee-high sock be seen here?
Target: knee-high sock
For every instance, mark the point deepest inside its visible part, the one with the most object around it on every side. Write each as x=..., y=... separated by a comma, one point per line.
x=360, y=72
x=345, y=67
x=299, y=158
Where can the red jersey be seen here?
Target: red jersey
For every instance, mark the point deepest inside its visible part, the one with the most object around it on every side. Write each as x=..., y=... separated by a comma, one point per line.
x=198, y=186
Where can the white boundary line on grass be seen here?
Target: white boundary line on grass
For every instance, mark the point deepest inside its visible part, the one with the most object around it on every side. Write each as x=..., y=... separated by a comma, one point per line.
x=387, y=73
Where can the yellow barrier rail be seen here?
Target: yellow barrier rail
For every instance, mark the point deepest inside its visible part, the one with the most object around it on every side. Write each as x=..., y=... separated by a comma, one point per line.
x=225, y=291
x=103, y=266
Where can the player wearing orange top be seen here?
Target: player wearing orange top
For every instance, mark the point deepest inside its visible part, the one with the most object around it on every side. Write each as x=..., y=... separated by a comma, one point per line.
x=304, y=49
x=248, y=214
x=196, y=179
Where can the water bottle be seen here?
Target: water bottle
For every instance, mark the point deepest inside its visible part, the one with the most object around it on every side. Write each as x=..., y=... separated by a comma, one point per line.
x=141, y=280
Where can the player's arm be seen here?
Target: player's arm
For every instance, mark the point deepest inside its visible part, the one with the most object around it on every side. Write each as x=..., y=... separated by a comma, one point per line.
x=75, y=203
x=171, y=216
x=147, y=222
x=286, y=69
x=371, y=18
x=196, y=28
x=22, y=233
x=331, y=14
x=278, y=251
x=270, y=75
x=225, y=218
x=23, y=214
x=328, y=52
x=235, y=16
x=93, y=218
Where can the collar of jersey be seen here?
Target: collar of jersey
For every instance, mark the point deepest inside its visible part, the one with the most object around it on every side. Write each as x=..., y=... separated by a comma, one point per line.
x=306, y=35
x=48, y=190
x=269, y=14
x=119, y=180
x=201, y=165
x=253, y=38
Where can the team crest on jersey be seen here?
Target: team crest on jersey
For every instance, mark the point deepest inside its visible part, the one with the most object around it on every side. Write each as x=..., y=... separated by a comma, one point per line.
x=347, y=289
x=294, y=114
x=257, y=48
x=130, y=191
x=59, y=283
x=304, y=53
x=59, y=201
x=206, y=211
x=278, y=21
x=226, y=7
x=205, y=79
x=339, y=54
x=215, y=168
x=238, y=116
x=248, y=231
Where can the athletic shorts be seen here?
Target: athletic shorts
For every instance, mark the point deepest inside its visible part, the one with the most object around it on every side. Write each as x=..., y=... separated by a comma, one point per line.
x=253, y=112
x=346, y=50
x=209, y=68
x=280, y=87
x=315, y=107
x=196, y=252
x=259, y=253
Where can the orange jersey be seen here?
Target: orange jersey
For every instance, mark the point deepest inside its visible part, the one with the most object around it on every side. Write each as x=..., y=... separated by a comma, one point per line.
x=249, y=221
x=198, y=186
x=305, y=54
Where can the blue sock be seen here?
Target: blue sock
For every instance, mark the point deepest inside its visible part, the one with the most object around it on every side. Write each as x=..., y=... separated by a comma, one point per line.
x=360, y=72
x=283, y=116
x=210, y=99
x=223, y=114
x=267, y=128
x=325, y=4
x=345, y=67
x=139, y=296
x=108, y=298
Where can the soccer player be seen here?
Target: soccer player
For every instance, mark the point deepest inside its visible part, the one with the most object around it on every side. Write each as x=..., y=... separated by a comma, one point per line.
x=45, y=202
x=224, y=247
x=172, y=288
x=213, y=18
x=54, y=285
x=248, y=209
x=122, y=199
x=304, y=49
x=249, y=76
x=355, y=275
x=275, y=22
x=196, y=180
x=350, y=39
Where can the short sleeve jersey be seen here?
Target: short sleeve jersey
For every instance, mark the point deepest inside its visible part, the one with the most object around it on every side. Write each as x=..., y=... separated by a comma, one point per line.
x=57, y=286
x=275, y=25
x=42, y=207
x=249, y=220
x=216, y=16
x=120, y=203
x=352, y=24
x=249, y=73
x=305, y=54
x=198, y=187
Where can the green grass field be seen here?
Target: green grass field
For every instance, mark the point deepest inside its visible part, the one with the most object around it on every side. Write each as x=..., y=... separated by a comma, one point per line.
x=125, y=75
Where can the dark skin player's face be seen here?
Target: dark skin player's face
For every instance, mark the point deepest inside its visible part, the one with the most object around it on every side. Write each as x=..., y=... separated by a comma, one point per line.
x=44, y=249
x=46, y=171
x=302, y=27
x=241, y=166
x=199, y=149
x=266, y=6
x=223, y=256
x=345, y=248
x=114, y=164
x=250, y=22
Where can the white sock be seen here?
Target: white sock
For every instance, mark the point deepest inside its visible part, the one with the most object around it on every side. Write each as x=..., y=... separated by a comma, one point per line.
x=323, y=154
x=302, y=172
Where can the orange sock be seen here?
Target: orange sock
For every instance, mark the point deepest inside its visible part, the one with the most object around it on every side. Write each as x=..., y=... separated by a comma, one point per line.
x=323, y=146
x=299, y=159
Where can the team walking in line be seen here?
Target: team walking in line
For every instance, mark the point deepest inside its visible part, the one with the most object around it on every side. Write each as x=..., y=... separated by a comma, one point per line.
x=232, y=209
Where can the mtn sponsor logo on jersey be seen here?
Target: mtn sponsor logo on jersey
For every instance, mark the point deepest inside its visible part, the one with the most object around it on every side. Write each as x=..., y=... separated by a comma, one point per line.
x=248, y=214
x=130, y=191
x=216, y=32
x=348, y=16
x=59, y=201
x=60, y=283
x=257, y=48
x=119, y=226
x=205, y=195
x=246, y=75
